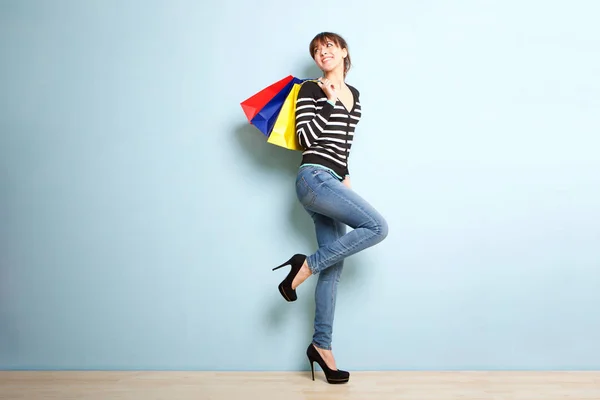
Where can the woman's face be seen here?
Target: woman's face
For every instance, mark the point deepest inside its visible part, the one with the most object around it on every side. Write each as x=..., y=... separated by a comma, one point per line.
x=328, y=56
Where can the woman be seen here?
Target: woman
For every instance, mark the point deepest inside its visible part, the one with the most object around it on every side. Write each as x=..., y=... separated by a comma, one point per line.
x=327, y=112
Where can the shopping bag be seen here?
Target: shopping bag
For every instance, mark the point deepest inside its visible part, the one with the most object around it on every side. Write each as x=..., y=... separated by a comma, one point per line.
x=266, y=116
x=256, y=102
x=284, y=130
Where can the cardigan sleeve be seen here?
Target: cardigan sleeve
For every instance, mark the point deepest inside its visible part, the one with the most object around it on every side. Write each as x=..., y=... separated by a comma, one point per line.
x=310, y=119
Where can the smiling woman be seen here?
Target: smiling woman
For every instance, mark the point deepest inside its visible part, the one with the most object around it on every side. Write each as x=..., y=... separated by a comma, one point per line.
x=327, y=113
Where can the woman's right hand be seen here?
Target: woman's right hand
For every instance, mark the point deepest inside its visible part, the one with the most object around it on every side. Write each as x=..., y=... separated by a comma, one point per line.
x=328, y=88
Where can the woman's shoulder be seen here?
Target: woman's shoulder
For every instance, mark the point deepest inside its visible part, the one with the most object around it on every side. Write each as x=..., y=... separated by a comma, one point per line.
x=310, y=86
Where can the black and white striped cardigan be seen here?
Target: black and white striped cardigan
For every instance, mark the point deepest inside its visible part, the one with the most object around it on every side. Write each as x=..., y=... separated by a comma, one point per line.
x=326, y=132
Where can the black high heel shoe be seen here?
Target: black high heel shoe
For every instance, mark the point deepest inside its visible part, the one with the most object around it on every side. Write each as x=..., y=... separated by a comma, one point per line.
x=285, y=287
x=333, y=376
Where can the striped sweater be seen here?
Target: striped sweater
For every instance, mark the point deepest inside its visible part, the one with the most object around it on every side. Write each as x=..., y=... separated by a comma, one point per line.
x=324, y=131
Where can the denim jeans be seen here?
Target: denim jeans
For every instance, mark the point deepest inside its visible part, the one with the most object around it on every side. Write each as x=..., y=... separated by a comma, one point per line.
x=332, y=207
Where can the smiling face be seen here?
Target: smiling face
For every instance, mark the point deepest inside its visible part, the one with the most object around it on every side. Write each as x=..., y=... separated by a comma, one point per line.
x=330, y=52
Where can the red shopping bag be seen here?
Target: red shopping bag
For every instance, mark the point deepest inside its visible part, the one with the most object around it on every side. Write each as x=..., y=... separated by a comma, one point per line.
x=256, y=102
x=265, y=119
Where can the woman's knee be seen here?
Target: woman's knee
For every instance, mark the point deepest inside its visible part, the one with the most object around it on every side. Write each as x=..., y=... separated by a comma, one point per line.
x=383, y=228
x=380, y=227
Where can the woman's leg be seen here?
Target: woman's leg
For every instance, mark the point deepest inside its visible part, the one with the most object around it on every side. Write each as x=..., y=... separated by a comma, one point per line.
x=321, y=193
x=328, y=230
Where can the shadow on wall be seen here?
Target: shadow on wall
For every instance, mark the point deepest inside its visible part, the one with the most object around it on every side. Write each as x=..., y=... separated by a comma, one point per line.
x=312, y=72
x=284, y=163
x=9, y=339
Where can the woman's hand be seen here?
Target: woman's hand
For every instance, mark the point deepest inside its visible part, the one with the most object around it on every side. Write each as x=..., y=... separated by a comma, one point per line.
x=328, y=88
x=347, y=183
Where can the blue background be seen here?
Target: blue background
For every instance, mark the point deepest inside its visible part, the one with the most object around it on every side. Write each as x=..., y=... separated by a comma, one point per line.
x=140, y=214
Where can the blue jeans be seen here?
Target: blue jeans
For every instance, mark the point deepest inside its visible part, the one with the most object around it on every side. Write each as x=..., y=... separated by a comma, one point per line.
x=332, y=207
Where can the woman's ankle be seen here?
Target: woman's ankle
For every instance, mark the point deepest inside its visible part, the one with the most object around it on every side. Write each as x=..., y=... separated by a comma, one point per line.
x=302, y=275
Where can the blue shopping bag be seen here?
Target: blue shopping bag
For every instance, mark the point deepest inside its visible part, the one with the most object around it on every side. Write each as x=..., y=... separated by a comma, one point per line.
x=265, y=119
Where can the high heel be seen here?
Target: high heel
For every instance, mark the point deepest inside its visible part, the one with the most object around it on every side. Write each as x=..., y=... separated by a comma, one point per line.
x=333, y=376
x=285, y=287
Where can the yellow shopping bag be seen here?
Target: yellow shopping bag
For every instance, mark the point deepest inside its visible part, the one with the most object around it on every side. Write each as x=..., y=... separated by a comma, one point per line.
x=284, y=130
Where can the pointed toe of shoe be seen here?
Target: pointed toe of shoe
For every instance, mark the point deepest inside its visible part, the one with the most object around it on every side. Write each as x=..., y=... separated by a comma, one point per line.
x=339, y=377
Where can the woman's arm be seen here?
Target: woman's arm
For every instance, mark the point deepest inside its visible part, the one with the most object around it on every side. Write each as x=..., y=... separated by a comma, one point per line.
x=311, y=122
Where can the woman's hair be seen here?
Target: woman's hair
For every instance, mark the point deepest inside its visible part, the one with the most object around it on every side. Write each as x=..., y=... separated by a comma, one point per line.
x=322, y=38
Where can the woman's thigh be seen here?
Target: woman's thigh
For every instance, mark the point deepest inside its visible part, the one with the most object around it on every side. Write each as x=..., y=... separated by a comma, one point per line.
x=322, y=193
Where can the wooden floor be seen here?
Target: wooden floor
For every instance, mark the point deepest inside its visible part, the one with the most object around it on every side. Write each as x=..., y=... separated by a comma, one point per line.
x=298, y=385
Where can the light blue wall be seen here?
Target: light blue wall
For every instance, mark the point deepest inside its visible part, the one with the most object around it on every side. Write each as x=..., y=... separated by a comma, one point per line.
x=140, y=215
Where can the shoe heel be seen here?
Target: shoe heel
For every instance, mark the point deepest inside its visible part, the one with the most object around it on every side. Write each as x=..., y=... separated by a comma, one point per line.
x=282, y=265
x=332, y=376
x=285, y=287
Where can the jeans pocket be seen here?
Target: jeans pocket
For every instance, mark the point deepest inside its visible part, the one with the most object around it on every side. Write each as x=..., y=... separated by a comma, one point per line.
x=305, y=194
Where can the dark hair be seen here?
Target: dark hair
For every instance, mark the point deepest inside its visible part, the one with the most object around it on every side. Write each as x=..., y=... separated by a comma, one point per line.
x=322, y=38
